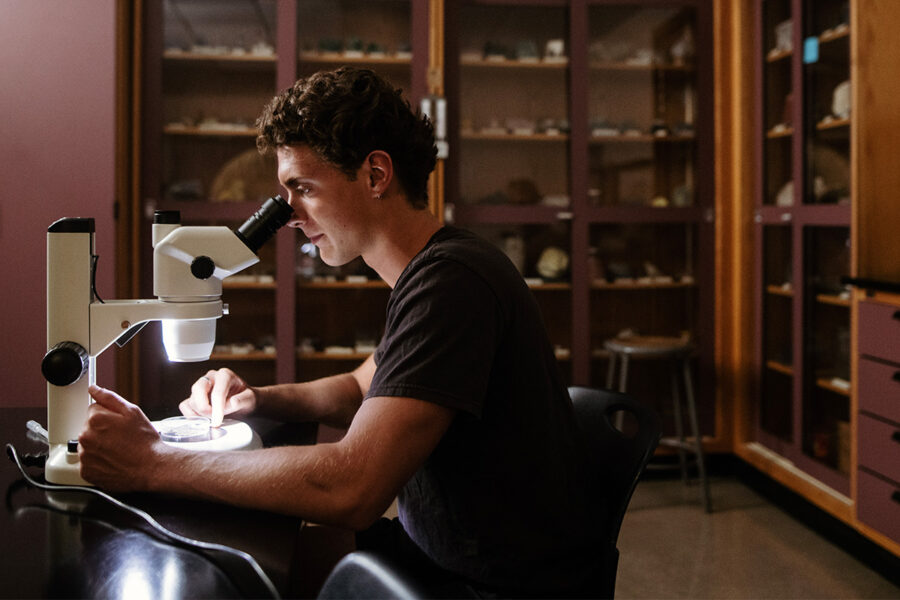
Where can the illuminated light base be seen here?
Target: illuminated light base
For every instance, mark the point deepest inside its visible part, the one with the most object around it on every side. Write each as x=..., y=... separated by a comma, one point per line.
x=195, y=433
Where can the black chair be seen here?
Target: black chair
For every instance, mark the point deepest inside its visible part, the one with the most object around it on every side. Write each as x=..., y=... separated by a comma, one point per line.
x=365, y=575
x=619, y=457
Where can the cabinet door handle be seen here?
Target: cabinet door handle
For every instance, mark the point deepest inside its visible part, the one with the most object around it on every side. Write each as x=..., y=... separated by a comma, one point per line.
x=896, y=376
x=896, y=436
x=896, y=496
x=896, y=315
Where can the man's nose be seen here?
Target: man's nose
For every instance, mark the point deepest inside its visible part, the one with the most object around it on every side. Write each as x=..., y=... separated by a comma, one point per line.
x=298, y=218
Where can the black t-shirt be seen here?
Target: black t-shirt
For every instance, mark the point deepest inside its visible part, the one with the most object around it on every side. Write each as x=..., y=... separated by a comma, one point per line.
x=501, y=501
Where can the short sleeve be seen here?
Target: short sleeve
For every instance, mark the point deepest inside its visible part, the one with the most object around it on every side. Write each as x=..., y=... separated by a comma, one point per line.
x=441, y=336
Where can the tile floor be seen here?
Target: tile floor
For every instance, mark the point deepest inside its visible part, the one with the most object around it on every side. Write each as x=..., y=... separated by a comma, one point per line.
x=747, y=548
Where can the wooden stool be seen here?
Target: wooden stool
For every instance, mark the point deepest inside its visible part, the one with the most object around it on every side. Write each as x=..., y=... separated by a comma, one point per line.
x=678, y=351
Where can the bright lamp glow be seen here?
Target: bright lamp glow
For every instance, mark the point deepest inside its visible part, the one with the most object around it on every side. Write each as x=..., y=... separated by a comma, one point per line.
x=188, y=340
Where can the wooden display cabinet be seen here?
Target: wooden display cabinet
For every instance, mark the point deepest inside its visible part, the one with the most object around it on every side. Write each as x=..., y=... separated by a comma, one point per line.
x=584, y=127
x=802, y=222
x=209, y=67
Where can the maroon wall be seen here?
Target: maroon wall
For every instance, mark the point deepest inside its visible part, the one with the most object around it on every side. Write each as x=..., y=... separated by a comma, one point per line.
x=57, y=159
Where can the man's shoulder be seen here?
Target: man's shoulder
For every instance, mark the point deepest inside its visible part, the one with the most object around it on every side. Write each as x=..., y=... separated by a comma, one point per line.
x=455, y=246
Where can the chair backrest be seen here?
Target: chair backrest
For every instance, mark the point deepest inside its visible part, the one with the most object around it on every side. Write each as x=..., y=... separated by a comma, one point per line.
x=363, y=574
x=618, y=457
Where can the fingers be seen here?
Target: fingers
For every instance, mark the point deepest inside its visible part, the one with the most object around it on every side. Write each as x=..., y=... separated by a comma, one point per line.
x=109, y=399
x=220, y=390
x=210, y=395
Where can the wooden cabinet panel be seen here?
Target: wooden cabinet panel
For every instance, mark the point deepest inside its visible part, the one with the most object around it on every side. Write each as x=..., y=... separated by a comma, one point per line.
x=879, y=389
x=879, y=330
x=878, y=504
x=879, y=446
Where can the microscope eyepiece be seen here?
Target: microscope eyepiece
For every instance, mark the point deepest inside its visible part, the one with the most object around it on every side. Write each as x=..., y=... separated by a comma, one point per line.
x=167, y=217
x=259, y=228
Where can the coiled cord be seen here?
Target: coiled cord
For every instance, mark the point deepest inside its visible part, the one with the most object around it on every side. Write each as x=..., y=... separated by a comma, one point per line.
x=153, y=523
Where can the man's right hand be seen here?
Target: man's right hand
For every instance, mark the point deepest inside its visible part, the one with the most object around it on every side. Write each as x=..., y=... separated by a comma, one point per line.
x=219, y=393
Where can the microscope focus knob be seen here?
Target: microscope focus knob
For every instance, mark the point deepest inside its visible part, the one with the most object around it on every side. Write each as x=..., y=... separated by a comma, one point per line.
x=203, y=267
x=65, y=363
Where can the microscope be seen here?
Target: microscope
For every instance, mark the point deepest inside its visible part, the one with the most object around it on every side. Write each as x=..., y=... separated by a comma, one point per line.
x=189, y=264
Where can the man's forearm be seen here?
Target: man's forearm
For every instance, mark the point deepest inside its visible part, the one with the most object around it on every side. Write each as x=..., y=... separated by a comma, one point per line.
x=318, y=483
x=331, y=400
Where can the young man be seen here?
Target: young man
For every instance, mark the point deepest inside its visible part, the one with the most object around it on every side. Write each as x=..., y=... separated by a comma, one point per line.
x=460, y=413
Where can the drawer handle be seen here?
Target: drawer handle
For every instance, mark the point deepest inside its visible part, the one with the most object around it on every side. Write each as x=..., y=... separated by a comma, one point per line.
x=896, y=376
x=896, y=496
x=896, y=315
x=896, y=436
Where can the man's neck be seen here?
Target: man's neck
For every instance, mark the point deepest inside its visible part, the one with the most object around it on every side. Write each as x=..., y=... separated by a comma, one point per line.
x=399, y=240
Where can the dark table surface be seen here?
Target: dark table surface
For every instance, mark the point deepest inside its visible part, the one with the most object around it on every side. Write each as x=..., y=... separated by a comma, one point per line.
x=74, y=545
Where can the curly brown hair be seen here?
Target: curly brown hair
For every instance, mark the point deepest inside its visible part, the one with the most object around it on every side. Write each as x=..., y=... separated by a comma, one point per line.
x=344, y=115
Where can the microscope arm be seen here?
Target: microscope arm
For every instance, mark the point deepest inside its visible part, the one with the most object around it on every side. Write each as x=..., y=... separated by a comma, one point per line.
x=113, y=318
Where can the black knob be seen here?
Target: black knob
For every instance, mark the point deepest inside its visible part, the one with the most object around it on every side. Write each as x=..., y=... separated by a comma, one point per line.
x=203, y=267
x=65, y=363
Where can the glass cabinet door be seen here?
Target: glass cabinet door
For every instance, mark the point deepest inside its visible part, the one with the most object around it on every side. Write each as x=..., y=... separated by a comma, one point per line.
x=826, y=236
x=210, y=67
x=513, y=106
x=642, y=105
x=826, y=399
x=218, y=71
x=510, y=150
x=650, y=214
x=826, y=60
x=776, y=332
x=340, y=311
x=803, y=216
x=374, y=34
x=777, y=103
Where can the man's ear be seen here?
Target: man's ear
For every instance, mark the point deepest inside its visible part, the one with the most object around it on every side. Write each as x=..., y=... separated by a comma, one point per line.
x=380, y=171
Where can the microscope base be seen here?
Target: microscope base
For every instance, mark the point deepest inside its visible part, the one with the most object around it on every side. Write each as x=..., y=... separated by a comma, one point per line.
x=63, y=467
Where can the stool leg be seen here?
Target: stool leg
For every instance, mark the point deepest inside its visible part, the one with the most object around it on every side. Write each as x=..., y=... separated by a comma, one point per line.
x=623, y=373
x=692, y=414
x=623, y=380
x=679, y=423
x=611, y=371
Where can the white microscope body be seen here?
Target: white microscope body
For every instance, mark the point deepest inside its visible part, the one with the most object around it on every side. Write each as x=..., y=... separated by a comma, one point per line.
x=189, y=264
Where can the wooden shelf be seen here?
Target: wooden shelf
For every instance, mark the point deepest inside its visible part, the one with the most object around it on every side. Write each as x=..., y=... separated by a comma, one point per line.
x=249, y=285
x=828, y=384
x=642, y=286
x=512, y=137
x=833, y=300
x=340, y=57
x=259, y=355
x=513, y=64
x=833, y=124
x=774, y=134
x=550, y=286
x=343, y=285
x=644, y=138
x=189, y=57
x=332, y=356
x=779, y=367
x=625, y=66
x=777, y=290
x=193, y=131
x=841, y=32
x=778, y=55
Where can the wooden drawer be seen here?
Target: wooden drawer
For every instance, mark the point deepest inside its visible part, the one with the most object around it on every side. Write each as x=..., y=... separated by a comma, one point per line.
x=878, y=504
x=879, y=330
x=879, y=389
x=879, y=446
